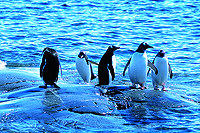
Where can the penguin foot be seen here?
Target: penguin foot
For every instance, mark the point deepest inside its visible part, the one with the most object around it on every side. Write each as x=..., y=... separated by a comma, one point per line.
x=142, y=88
x=133, y=87
x=55, y=86
x=156, y=88
x=45, y=86
x=164, y=89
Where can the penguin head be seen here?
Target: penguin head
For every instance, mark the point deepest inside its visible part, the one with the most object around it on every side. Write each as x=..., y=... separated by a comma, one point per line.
x=49, y=52
x=142, y=47
x=82, y=54
x=111, y=49
x=161, y=53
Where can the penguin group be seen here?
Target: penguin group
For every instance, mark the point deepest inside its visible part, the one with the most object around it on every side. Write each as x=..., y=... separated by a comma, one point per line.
x=136, y=65
x=106, y=67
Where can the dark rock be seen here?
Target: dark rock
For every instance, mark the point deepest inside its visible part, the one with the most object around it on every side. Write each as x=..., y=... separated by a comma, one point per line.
x=65, y=5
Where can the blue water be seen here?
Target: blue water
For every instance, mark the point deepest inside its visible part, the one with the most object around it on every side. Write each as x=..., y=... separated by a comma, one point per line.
x=28, y=26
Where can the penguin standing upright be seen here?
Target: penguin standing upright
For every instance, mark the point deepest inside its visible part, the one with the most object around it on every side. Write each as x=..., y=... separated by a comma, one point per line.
x=138, y=66
x=163, y=66
x=49, y=67
x=84, y=67
x=106, y=67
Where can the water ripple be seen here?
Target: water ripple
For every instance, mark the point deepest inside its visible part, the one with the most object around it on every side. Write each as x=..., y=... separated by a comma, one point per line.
x=27, y=27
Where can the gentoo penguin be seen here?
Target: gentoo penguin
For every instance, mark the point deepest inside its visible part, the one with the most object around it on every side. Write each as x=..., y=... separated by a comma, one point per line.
x=163, y=66
x=106, y=67
x=49, y=67
x=84, y=67
x=138, y=66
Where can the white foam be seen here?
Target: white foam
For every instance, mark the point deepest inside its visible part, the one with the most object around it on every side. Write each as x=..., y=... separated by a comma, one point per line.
x=2, y=65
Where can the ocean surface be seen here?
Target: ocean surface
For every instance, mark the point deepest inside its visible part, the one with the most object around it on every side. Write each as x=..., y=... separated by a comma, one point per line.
x=28, y=26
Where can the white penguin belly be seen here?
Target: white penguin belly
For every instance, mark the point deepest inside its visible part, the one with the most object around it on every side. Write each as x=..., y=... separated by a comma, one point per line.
x=162, y=66
x=83, y=69
x=138, y=68
x=114, y=66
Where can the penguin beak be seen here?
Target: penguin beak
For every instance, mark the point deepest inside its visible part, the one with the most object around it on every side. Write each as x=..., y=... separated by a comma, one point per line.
x=148, y=46
x=115, y=48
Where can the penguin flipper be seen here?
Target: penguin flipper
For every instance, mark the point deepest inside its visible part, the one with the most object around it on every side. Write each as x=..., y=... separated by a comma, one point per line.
x=42, y=66
x=170, y=71
x=126, y=66
x=151, y=65
x=92, y=62
x=89, y=62
x=93, y=76
x=60, y=69
x=148, y=72
x=149, y=68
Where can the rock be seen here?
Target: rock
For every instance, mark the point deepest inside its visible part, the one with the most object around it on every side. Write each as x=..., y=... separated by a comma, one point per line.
x=70, y=105
x=78, y=106
x=16, y=79
x=73, y=98
x=65, y=5
x=151, y=98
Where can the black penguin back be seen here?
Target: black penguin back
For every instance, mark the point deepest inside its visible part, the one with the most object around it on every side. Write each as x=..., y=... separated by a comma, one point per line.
x=106, y=66
x=103, y=71
x=49, y=67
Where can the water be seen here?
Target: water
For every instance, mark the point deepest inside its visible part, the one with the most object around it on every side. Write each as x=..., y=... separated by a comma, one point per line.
x=28, y=26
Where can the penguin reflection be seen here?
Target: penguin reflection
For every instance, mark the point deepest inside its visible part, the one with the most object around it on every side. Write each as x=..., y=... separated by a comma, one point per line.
x=52, y=101
x=49, y=67
x=51, y=97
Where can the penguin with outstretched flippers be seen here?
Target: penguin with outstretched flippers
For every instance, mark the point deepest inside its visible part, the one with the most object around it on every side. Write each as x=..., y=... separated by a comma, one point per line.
x=137, y=66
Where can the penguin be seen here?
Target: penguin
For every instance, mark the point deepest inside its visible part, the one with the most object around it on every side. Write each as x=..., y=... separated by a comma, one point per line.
x=107, y=65
x=161, y=63
x=49, y=67
x=137, y=70
x=84, y=67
